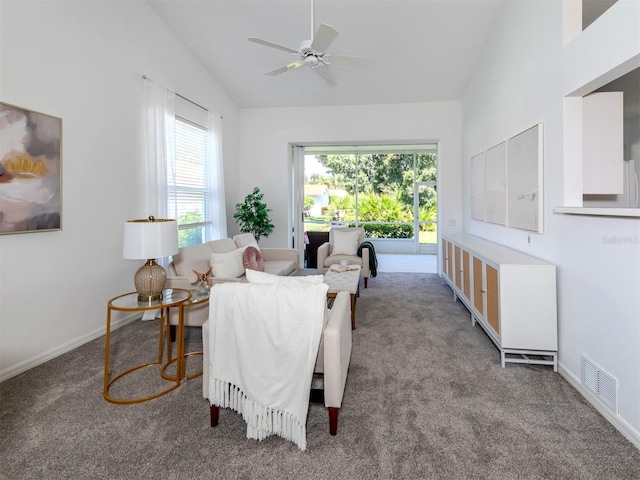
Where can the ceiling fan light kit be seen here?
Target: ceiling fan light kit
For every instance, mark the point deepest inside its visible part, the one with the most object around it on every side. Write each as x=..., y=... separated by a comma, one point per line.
x=312, y=53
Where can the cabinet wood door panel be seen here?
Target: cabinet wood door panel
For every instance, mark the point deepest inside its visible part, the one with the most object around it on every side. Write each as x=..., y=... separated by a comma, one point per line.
x=478, y=286
x=444, y=257
x=449, y=260
x=466, y=278
x=458, y=266
x=493, y=318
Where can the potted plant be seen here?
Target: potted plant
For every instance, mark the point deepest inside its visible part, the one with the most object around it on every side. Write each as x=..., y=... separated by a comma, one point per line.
x=253, y=215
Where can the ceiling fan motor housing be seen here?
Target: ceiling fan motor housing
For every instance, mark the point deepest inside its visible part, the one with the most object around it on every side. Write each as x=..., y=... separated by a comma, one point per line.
x=309, y=55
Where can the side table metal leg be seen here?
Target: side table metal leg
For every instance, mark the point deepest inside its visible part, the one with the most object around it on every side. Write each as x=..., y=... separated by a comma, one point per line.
x=180, y=363
x=161, y=337
x=107, y=352
x=165, y=317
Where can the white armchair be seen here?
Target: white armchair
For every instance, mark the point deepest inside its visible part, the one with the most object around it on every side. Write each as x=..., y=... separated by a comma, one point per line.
x=343, y=245
x=331, y=360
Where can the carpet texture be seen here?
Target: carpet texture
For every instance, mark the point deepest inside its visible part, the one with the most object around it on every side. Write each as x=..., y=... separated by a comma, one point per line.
x=426, y=398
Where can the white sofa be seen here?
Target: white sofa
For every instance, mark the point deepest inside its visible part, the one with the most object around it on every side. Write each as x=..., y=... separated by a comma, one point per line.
x=227, y=252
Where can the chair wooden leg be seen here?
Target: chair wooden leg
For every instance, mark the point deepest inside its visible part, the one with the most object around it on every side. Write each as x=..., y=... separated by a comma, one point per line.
x=333, y=420
x=353, y=308
x=214, y=411
x=366, y=281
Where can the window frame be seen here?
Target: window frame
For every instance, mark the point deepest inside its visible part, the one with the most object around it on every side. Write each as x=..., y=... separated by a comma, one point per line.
x=174, y=188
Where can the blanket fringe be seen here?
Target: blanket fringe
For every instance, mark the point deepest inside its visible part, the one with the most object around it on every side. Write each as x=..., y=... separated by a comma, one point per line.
x=262, y=421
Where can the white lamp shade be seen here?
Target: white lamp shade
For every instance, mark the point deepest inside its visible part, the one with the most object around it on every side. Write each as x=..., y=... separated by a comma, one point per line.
x=150, y=238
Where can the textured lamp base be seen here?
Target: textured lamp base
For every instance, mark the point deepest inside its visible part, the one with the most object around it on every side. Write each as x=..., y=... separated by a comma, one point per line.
x=149, y=281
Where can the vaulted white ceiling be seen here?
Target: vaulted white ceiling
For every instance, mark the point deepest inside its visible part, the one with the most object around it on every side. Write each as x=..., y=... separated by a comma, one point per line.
x=425, y=50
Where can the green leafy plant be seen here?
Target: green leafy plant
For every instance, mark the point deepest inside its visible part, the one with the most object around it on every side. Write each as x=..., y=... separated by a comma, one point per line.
x=308, y=204
x=253, y=215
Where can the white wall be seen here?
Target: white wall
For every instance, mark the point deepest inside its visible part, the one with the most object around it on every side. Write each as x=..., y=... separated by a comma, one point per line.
x=82, y=62
x=517, y=83
x=265, y=135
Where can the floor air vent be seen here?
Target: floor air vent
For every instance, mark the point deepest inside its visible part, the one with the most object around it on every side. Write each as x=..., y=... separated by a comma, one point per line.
x=600, y=383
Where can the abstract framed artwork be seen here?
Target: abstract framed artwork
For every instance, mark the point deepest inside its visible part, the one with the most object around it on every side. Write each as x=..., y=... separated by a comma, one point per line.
x=507, y=182
x=30, y=171
x=525, y=180
x=496, y=182
x=478, y=187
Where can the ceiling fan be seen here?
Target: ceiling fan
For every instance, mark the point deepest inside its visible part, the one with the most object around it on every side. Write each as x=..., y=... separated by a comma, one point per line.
x=313, y=53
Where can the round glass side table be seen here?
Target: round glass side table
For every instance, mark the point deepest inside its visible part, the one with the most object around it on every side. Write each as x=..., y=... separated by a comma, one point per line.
x=198, y=297
x=171, y=298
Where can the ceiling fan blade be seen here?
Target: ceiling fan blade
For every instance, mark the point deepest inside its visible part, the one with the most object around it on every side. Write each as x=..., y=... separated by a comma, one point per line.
x=350, y=61
x=285, y=68
x=324, y=71
x=324, y=37
x=273, y=45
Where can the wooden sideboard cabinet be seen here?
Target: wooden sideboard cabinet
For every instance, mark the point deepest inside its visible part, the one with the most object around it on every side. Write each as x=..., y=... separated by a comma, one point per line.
x=510, y=294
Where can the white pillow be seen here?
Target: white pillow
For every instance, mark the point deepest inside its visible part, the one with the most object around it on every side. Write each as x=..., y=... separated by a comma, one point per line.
x=227, y=265
x=254, y=276
x=345, y=242
x=245, y=239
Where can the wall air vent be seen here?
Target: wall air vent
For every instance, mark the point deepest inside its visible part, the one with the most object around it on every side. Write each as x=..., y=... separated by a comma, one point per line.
x=603, y=385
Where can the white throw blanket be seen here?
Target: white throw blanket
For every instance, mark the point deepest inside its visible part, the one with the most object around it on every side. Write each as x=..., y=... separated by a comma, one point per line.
x=264, y=342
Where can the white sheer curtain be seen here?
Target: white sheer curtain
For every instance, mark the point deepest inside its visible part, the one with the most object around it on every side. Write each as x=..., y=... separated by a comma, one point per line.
x=161, y=171
x=160, y=104
x=216, y=179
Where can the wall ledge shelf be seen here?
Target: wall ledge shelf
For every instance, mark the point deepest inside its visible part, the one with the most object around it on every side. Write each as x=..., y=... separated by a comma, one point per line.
x=599, y=211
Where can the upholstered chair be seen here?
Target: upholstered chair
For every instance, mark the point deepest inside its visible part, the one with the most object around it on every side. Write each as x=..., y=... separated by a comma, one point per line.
x=333, y=354
x=343, y=245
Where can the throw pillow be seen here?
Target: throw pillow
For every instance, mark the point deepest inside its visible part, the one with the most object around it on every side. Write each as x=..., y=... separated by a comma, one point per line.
x=227, y=265
x=252, y=259
x=245, y=239
x=345, y=242
x=254, y=276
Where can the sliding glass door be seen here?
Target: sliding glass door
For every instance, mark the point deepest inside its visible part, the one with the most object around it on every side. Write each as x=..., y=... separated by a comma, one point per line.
x=390, y=190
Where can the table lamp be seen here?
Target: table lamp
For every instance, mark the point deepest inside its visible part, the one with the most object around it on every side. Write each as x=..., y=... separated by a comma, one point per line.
x=148, y=239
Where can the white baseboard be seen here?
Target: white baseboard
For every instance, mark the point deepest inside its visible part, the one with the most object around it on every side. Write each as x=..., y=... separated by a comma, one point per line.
x=64, y=348
x=616, y=420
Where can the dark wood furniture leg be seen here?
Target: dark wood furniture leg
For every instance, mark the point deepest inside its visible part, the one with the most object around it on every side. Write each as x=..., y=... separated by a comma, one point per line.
x=214, y=411
x=353, y=311
x=333, y=420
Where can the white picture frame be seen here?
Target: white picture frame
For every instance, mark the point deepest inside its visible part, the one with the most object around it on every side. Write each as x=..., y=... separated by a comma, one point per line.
x=525, y=180
x=496, y=184
x=478, y=188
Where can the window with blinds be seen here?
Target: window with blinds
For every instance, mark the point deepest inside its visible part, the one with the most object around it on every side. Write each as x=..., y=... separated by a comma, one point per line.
x=187, y=183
